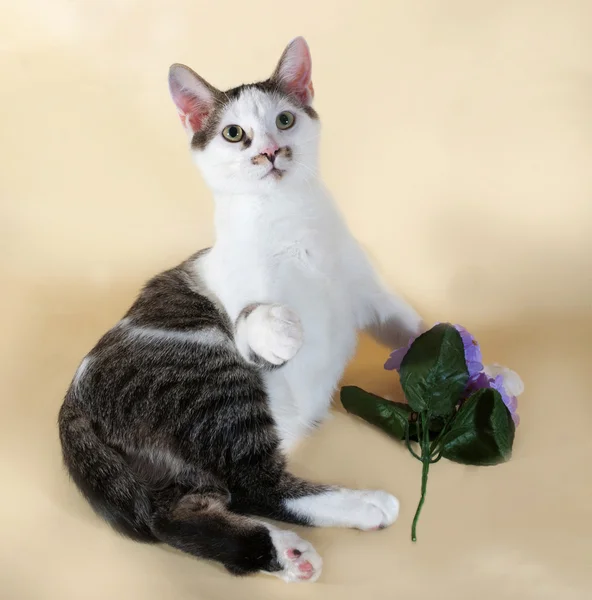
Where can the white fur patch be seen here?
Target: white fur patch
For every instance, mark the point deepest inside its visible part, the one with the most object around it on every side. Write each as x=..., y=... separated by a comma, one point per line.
x=80, y=372
x=209, y=336
x=359, y=509
x=164, y=465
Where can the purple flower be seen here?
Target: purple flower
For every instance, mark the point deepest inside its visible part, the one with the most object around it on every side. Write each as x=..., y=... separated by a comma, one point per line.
x=393, y=362
x=472, y=353
x=504, y=380
x=499, y=383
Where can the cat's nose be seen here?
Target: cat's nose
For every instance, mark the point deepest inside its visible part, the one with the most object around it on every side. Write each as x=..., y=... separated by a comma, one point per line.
x=271, y=152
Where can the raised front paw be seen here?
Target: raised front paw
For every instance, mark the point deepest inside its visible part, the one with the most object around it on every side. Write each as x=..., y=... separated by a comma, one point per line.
x=274, y=333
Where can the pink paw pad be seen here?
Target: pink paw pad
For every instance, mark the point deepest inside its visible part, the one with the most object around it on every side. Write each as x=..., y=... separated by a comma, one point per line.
x=306, y=570
x=297, y=559
x=305, y=567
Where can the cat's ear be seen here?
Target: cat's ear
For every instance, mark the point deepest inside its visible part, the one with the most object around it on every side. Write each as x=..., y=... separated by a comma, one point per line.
x=194, y=97
x=293, y=72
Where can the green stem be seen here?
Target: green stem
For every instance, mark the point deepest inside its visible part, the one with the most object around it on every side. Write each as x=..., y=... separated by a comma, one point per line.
x=413, y=453
x=424, y=483
x=435, y=460
x=425, y=459
x=434, y=444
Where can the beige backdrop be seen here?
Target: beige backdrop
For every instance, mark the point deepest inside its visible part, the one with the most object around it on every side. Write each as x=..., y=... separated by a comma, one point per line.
x=458, y=142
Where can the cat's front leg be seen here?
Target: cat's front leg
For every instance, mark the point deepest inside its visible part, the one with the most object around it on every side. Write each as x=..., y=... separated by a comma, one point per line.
x=386, y=316
x=268, y=334
x=391, y=320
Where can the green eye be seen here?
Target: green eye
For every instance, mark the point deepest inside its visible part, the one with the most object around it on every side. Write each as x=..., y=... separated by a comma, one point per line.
x=233, y=133
x=285, y=120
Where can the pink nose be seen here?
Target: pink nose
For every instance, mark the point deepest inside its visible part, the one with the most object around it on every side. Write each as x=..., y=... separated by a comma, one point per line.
x=270, y=151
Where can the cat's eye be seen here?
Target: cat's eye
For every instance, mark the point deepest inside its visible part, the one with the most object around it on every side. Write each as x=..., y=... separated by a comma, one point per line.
x=233, y=133
x=285, y=120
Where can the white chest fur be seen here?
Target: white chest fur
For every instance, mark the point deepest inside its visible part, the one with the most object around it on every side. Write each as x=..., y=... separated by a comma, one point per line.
x=290, y=250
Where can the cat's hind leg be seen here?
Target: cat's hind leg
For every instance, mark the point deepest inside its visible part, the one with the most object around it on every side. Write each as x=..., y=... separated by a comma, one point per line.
x=201, y=524
x=367, y=510
x=294, y=500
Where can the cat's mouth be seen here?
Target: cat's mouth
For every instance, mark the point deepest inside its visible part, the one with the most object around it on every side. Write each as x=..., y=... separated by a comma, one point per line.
x=275, y=173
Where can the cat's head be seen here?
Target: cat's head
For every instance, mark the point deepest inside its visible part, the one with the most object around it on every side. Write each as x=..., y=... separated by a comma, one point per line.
x=254, y=137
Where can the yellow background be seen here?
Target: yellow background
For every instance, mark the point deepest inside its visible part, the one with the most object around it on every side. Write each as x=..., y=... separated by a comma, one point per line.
x=458, y=142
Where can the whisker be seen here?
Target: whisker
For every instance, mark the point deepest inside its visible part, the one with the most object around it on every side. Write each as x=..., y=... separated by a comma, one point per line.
x=310, y=139
x=312, y=171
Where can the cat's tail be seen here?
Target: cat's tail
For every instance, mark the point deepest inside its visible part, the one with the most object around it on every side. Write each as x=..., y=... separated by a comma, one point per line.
x=103, y=475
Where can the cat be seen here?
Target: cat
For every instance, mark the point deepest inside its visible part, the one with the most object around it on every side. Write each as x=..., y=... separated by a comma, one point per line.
x=176, y=425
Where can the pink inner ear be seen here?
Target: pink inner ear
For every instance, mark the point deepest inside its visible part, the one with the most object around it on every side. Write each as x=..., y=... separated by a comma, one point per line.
x=295, y=70
x=301, y=84
x=192, y=111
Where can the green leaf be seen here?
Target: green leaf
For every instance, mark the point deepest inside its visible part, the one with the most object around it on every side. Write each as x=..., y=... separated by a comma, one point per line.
x=483, y=431
x=434, y=371
x=391, y=417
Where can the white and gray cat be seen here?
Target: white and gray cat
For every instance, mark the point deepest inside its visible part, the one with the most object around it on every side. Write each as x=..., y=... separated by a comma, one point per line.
x=176, y=424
